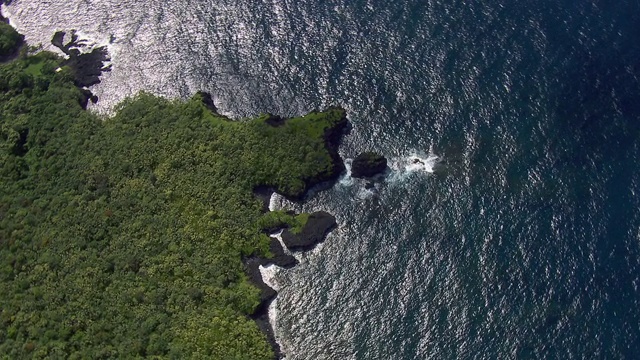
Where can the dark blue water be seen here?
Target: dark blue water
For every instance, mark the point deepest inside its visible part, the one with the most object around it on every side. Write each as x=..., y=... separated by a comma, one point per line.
x=524, y=241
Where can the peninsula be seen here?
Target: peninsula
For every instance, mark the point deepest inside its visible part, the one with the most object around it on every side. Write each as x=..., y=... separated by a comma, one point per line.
x=129, y=236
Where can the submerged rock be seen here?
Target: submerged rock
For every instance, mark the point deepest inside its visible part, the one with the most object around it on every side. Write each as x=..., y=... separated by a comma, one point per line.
x=313, y=232
x=368, y=164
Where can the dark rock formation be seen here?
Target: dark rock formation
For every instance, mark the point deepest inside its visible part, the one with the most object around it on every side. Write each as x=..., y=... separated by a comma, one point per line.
x=262, y=320
x=253, y=271
x=313, y=232
x=318, y=225
x=87, y=96
x=275, y=120
x=207, y=100
x=267, y=294
x=263, y=193
x=368, y=164
x=279, y=258
x=261, y=313
x=87, y=67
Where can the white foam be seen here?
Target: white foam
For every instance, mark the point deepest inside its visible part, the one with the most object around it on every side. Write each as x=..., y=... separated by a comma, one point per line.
x=364, y=193
x=416, y=163
x=273, y=202
x=346, y=179
x=268, y=274
x=279, y=202
x=8, y=14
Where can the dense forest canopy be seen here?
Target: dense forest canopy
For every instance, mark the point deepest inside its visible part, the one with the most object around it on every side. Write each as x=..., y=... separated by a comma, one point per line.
x=124, y=237
x=10, y=40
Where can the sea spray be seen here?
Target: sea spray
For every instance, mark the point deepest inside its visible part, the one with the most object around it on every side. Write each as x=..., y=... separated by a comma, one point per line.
x=268, y=275
x=346, y=179
x=417, y=163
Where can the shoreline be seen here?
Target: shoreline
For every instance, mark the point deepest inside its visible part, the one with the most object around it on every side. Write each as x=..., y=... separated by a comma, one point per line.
x=285, y=261
x=87, y=69
x=314, y=232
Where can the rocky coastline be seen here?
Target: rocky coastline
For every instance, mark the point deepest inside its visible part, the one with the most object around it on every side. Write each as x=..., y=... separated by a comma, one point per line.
x=87, y=67
x=332, y=137
x=317, y=227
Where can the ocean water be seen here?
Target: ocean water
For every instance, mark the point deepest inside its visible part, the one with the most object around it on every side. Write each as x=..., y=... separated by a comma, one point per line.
x=520, y=239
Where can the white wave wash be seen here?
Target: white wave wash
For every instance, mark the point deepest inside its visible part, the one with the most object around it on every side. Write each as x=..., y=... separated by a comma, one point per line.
x=269, y=274
x=402, y=168
x=417, y=163
x=346, y=179
x=87, y=40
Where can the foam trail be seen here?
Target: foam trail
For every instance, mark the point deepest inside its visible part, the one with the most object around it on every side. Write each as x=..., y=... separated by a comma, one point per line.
x=278, y=236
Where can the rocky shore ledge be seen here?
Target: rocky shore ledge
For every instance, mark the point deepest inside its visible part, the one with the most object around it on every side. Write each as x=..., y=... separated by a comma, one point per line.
x=314, y=231
x=318, y=226
x=87, y=67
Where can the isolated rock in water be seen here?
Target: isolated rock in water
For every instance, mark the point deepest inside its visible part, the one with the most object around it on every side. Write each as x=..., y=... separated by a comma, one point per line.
x=313, y=232
x=368, y=164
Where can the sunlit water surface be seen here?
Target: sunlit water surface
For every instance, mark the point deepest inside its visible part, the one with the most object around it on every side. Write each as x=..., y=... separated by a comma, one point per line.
x=521, y=240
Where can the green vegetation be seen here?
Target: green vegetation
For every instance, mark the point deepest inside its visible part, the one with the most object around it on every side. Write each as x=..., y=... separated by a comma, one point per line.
x=10, y=40
x=368, y=164
x=300, y=222
x=123, y=237
x=281, y=219
x=370, y=158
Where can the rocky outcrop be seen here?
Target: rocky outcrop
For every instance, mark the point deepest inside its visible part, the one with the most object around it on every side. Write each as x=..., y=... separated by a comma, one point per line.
x=275, y=120
x=368, y=164
x=332, y=137
x=280, y=257
x=313, y=232
x=207, y=100
x=261, y=313
x=87, y=67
